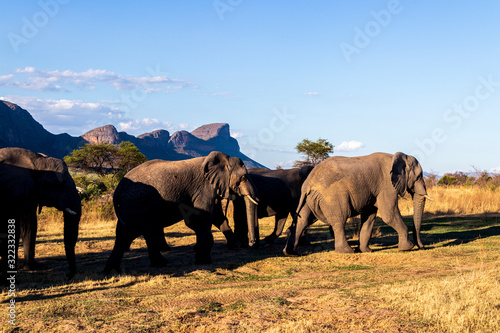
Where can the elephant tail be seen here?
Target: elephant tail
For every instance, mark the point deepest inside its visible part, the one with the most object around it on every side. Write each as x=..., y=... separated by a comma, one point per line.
x=302, y=202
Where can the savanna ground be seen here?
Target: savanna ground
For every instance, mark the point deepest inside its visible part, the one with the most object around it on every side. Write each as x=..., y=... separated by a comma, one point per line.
x=452, y=286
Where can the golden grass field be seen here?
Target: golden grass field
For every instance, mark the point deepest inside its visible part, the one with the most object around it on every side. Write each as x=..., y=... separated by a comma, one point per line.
x=452, y=286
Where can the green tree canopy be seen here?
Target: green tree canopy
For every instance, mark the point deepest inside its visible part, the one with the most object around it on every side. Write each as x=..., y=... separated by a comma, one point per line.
x=315, y=151
x=105, y=158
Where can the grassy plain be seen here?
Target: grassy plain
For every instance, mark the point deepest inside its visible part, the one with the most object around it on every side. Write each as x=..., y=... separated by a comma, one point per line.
x=452, y=286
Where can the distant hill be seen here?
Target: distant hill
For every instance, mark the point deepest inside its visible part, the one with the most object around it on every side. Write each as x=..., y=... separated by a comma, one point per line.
x=19, y=129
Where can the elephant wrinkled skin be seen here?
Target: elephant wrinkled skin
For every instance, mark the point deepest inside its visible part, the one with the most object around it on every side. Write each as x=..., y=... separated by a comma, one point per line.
x=29, y=181
x=342, y=187
x=160, y=193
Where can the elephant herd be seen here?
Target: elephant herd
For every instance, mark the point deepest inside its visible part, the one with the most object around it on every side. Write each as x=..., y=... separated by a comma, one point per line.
x=158, y=193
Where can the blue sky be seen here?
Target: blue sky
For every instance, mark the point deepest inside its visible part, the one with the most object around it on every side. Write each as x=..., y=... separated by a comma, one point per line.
x=420, y=77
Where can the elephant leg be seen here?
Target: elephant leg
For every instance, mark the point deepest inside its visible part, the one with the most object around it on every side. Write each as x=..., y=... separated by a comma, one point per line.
x=29, y=241
x=202, y=226
x=221, y=222
x=302, y=220
x=240, y=222
x=393, y=218
x=122, y=242
x=341, y=244
x=164, y=247
x=367, y=222
x=279, y=224
x=154, y=242
x=9, y=240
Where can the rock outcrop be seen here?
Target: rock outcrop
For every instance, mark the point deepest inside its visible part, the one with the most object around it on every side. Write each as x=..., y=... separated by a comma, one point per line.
x=19, y=129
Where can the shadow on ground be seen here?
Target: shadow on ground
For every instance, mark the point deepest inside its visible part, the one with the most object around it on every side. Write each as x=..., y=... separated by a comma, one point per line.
x=437, y=231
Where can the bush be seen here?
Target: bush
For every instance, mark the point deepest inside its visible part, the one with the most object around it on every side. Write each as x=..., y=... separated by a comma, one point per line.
x=447, y=180
x=93, y=186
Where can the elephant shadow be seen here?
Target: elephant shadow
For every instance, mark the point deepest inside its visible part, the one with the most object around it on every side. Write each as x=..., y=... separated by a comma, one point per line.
x=135, y=264
x=437, y=231
x=441, y=231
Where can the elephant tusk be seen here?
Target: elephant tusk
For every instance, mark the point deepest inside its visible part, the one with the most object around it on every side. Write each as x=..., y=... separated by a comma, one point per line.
x=428, y=197
x=70, y=211
x=253, y=200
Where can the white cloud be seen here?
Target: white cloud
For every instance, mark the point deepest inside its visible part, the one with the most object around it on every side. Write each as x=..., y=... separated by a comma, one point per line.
x=312, y=93
x=76, y=117
x=145, y=125
x=495, y=170
x=347, y=146
x=285, y=164
x=30, y=78
x=237, y=135
x=68, y=116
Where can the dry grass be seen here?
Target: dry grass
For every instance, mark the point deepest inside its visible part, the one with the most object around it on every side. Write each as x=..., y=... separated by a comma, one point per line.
x=451, y=287
x=456, y=201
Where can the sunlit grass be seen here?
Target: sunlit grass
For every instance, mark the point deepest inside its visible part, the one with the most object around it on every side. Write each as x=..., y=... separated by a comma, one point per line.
x=453, y=286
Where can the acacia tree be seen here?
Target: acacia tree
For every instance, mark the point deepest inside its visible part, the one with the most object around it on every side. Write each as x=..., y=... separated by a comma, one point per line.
x=103, y=158
x=315, y=151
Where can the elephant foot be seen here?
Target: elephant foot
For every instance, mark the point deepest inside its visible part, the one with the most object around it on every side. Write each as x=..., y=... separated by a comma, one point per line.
x=290, y=253
x=255, y=245
x=405, y=246
x=343, y=248
x=304, y=242
x=365, y=249
x=70, y=275
x=109, y=267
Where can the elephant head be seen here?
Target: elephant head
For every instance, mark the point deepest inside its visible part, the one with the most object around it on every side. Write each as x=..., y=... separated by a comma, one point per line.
x=407, y=176
x=55, y=188
x=229, y=177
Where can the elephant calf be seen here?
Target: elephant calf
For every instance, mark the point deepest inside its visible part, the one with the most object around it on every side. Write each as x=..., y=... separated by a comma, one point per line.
x=159, y=193
x=342, y=187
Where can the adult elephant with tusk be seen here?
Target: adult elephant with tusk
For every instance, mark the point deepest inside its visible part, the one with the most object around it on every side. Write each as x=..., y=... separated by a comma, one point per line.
x=343, y=187
x=159, y=193
x=29, y=181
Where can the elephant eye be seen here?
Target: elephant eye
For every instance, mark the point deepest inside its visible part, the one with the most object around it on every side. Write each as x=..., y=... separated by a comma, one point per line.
x=244, y=178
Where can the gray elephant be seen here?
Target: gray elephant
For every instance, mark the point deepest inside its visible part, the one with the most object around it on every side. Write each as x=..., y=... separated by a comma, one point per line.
x=29, y=181
x=160, y=193
x=343, y=187
x=279, y=194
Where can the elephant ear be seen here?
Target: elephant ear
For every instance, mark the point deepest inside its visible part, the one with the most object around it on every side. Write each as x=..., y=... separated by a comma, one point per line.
x=399, y=173
x=215, y=168
x=50, y=169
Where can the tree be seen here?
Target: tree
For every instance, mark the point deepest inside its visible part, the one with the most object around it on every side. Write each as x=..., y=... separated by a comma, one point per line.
x=103, y=158
x=315, y=151
x=129, y=157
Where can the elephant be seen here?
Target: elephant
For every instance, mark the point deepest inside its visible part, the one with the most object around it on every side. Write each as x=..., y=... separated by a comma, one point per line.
x=28, y=181
x=159, y=193
x=279, y=194
x=342, y=187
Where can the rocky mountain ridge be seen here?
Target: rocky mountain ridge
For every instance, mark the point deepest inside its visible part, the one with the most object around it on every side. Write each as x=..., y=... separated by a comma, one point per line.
x=19, y=129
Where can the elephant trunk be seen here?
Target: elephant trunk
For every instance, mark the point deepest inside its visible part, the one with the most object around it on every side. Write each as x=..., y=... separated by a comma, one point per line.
x=249, y=194
x=418, y=212
x=252, y=222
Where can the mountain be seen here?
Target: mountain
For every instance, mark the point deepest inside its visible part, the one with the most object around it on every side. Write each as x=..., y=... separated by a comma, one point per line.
x=19, y=129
